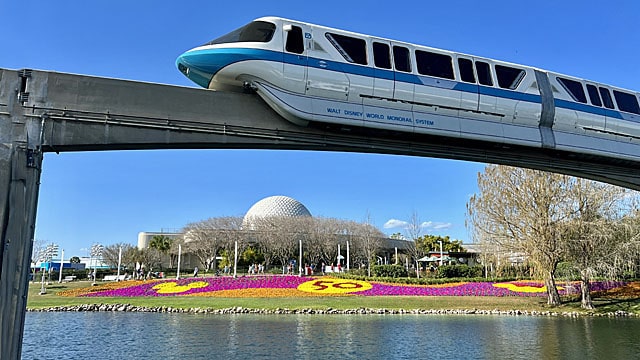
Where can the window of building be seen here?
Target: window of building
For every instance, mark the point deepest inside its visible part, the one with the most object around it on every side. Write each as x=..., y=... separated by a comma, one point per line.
x=401, y=58
x=354, y=50
x=466, y=70
x=593, y=95
x=574, y=88
x=606, y=98
x=434, y=64
x=508, y=77
x=295, y=43
x=381, y=56
x=484, y=73
x=626, y=102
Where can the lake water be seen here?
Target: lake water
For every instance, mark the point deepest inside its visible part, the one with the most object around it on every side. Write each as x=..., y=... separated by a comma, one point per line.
x=104, y=335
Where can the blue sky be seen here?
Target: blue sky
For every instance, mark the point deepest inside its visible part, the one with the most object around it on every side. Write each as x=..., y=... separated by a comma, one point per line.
x=108, y=197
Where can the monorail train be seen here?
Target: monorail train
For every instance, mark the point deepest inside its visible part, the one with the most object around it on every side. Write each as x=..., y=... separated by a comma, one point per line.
x=313, y=73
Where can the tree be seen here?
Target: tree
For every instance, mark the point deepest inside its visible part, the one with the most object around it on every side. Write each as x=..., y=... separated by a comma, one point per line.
x=111, y=253
x=74, y=260
x=161, y=244
x=591, y=241
x=522, y=211
x=368, y=240
x=429, y=243
x=413, y=231
x=206, y=238
x=37, y=253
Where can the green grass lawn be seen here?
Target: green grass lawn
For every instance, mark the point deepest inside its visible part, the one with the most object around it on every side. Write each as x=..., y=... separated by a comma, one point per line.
x=51, y=299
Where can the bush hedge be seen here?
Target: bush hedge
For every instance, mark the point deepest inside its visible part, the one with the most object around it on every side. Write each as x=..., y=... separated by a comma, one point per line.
x=459, y=271
x=392, y=271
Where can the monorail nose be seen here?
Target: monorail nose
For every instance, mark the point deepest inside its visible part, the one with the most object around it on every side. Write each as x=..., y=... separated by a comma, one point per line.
x=187, y=63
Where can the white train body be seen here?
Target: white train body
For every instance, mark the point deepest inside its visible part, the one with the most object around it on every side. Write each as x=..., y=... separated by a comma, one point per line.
x=312, y=73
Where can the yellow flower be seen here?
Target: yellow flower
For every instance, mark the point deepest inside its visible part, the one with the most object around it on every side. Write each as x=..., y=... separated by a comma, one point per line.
x=523, y=288
x=173, y=288
x=334, y=286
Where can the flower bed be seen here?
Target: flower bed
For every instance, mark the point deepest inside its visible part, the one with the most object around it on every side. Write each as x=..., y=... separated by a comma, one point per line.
x=294, y=286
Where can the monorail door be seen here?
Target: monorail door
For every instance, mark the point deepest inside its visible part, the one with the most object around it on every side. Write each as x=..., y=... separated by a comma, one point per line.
x=296, y=39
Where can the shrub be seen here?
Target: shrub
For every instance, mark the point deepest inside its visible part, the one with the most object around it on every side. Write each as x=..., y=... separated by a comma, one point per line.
x=459, y=271
x=390, y=271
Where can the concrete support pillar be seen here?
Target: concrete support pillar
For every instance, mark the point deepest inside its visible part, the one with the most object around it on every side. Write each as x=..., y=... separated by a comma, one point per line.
x=20, y=168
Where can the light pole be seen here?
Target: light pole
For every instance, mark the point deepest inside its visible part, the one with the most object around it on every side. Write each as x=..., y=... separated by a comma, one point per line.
x=179, y=258
x=440, y=241
x=300, y=259
x=61, y=266
x=348, y=260
x=119, y=262
x=96, y=251
x=49, y=253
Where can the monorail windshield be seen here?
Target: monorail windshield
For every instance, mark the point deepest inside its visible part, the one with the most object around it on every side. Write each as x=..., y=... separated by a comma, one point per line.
x=257, y=31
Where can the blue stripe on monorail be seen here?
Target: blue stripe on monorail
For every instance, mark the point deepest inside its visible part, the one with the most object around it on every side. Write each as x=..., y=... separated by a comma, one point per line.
x=234, y=55
x=570, y=105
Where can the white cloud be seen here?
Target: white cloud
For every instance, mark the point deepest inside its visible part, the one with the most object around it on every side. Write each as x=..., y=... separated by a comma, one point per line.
x=395, y=223
x=440, y=226
x=426, y=224
x=433, y=225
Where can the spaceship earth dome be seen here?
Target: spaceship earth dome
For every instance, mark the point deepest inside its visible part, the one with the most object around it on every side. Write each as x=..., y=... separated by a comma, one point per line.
x=274, y=206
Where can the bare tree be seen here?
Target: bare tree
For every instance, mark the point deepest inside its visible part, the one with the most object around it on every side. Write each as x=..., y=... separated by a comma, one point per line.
x=369, y=239
x=521, y=211
x=413, y=231
x=592, y=244
x=37, y=253
x=276, y=238
x=110, y=255
x=230, y=233
x=203, y=240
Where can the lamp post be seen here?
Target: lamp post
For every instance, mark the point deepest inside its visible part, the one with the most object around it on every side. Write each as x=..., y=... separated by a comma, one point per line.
x=235, y=261
x=348, y=260
x=119, y=262
x=396, y=248
x=42, y=288
x=300, y=259
x=179, y=257
x=49, y=253
x=440, y=241
x=96, y=252
x=61, y=266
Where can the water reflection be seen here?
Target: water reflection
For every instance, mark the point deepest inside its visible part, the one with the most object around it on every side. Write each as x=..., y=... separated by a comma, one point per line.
x=183, y=336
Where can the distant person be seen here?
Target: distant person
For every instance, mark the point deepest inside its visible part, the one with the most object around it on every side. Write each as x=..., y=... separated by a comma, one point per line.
x=195, y=271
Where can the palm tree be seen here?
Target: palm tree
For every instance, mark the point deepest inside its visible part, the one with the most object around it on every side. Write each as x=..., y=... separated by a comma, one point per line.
x=162, y=244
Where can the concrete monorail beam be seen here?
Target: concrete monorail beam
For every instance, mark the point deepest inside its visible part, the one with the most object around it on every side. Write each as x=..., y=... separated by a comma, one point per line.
x=44, y=111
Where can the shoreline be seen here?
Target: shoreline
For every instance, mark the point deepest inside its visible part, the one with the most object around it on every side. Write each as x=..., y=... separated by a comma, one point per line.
x=327, y=311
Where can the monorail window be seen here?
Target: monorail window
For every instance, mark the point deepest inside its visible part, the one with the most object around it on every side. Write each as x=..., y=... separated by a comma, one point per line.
x=381, y=56
x=434, y=64
x=354, y=50
x=508, y=77
x=295, y=43
x=606, y=98
x=257, y=31
x=484, y=73
x=466, y=70
x=401, y=58
x=626, y=102
x=593, y=95
x=574, y=88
